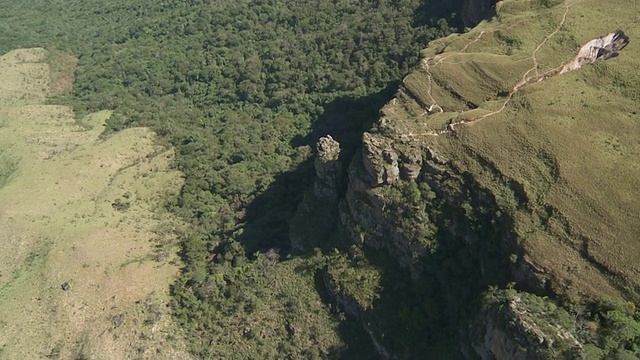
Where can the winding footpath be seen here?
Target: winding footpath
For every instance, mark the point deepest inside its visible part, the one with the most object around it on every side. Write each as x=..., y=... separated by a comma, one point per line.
x=527, y=78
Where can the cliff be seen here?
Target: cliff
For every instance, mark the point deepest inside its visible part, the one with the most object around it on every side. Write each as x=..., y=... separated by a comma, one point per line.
x=493, y=166
x=523, y=326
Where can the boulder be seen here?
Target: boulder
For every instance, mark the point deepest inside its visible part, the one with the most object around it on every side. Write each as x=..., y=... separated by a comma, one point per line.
x=411, y=164
x=602, y=48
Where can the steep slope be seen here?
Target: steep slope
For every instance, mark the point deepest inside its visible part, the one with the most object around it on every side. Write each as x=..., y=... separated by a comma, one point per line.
x=561, y=154
x=490, y=167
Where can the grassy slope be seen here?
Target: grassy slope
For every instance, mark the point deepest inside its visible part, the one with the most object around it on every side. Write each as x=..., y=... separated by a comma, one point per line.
x=571, y=142
x=58, y=181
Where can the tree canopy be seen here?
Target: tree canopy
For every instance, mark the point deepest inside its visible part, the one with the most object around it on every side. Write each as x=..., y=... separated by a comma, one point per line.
x=242, y=89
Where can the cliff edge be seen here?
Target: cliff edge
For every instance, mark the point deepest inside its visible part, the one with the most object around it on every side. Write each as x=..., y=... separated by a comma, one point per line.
x=500, y=164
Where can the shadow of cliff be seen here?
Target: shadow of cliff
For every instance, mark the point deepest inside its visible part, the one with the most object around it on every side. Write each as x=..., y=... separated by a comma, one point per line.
x=358, y=344
x=432, y=313
x=457, y=14
x=422, y=316
x=431, y=11
x=268, y=216
x=346, y=118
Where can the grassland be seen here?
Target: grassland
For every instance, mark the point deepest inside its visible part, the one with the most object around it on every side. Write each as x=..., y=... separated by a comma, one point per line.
x=569, y=143
x=79, y=209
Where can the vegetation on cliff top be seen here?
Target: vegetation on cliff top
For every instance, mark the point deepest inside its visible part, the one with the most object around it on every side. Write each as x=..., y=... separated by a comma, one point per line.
x=534, y=173
x=241, y=89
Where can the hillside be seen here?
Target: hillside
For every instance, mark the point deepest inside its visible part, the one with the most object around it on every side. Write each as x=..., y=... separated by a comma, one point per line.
x=492, y=169
x=262, y=179
x=572, y=152
x=559, y=153
x=86, y=258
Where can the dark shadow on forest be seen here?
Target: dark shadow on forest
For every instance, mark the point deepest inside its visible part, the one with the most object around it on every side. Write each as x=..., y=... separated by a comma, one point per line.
x=345, y=119
x=448, y=15
x=432, y=11
x=269, y=214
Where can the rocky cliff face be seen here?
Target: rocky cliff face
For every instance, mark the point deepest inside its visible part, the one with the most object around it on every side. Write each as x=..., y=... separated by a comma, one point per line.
x=521, y=326
x=328, y=169
x=386, y=163
x=370, y=212
x=466, y=182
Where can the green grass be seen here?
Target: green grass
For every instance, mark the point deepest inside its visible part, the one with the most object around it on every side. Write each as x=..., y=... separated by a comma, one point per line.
x=8, y=166
x=570, y=141
x=58, y=181
x=32, y=262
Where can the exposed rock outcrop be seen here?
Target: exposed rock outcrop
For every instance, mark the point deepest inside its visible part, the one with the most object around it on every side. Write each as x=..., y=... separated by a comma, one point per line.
x=328, y=169
x=319, y=206
x=386, y=164
x=411, y=165
x=601, y=48
x=379, y=159
x=521, y=326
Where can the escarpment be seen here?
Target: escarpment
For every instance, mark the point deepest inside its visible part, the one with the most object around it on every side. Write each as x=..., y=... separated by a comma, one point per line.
x=505, y=199
x=522, y=326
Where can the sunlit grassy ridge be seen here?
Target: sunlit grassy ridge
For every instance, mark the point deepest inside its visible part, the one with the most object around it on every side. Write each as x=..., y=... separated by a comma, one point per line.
x=539, y=152
x=79, y=210
x=561, y=153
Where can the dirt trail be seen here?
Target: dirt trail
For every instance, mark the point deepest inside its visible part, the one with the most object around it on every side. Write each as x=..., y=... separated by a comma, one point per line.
x=426, y=67
x=600, y=48
x=526, y=79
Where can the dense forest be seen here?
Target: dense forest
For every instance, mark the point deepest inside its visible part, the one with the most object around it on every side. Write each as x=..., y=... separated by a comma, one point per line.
x=242, y=89
x=240, y=84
